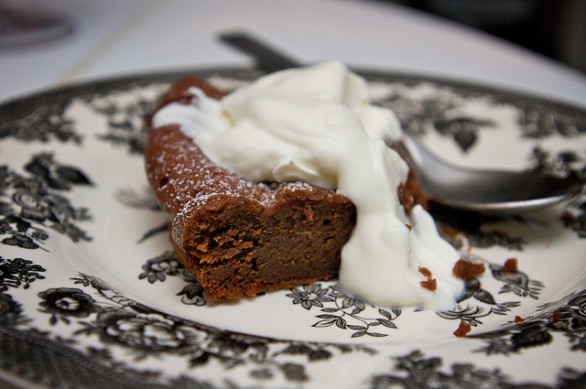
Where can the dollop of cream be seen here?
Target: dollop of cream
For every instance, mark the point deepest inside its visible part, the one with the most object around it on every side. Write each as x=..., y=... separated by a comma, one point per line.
x=316, y=125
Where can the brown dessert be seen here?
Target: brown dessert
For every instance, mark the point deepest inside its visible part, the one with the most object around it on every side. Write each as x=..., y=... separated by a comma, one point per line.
x=241, y=238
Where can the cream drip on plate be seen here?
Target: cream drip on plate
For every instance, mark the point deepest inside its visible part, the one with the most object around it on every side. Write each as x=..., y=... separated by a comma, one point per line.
x=316, y=125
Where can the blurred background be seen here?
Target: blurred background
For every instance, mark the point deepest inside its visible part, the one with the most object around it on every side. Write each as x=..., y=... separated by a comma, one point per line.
x=553, y=28
x=110, y=38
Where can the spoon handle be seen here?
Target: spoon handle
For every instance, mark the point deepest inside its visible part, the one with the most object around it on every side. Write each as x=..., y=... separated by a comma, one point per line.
x=267, y=58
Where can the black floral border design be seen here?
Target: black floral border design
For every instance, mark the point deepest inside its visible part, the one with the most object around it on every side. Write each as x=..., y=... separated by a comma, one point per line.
x=29, y=203
x=33, y=355
x=567, y=316
x=415, y=370
x=99, y=311
x=539, y=119
x=36, y=119
x=438, y=112
x=18, y=271
x=117, y=320
x=126, y=122
x=166, y=265
x=11, y=313
x=343, y=311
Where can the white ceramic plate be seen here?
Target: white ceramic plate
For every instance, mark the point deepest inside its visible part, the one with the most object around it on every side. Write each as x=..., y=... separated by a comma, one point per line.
x=91, y=294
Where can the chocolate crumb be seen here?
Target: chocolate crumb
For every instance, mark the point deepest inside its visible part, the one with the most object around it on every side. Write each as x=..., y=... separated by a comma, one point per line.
x=467, y=270
x=430, y=284
x=425, y=271
x=555, y=317
x=463, y=329
x=510, y=266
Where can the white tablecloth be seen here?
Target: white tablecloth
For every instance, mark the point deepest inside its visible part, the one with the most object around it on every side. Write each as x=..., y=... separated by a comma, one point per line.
x=117, y=38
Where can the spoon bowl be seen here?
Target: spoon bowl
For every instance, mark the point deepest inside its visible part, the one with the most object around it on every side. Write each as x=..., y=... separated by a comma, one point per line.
x=487, y=191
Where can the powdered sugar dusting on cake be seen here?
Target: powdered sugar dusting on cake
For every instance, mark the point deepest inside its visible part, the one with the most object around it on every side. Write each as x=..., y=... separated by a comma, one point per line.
x=184, y=174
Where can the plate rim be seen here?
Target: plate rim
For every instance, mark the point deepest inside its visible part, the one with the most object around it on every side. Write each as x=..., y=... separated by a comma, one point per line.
x=112, y=83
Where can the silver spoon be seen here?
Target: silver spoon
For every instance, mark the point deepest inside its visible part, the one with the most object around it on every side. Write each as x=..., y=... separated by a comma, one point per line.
x=488, y=191
x=494, y=192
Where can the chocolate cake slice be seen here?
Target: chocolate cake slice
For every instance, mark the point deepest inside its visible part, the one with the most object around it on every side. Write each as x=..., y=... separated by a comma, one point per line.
x=240, y=238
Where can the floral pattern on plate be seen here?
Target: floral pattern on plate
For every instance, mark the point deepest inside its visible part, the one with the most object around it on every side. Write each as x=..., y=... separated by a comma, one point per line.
x=88, y=281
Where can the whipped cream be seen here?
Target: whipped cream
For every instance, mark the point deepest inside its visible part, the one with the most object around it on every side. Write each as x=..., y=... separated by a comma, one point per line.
x=316, y=125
